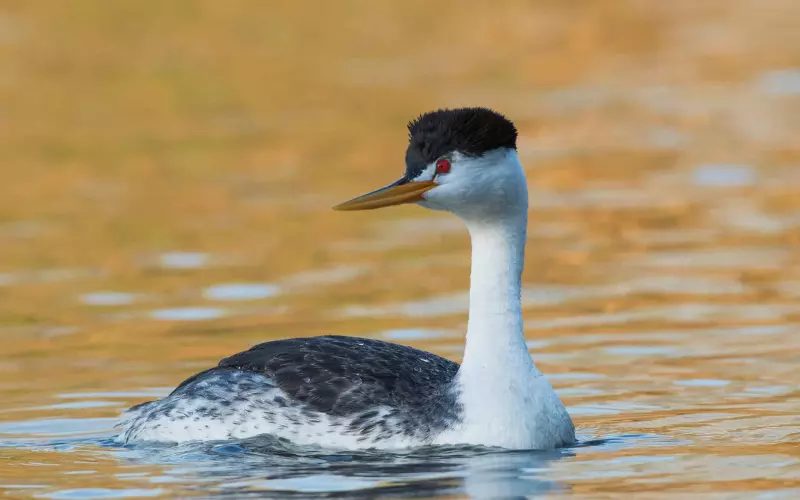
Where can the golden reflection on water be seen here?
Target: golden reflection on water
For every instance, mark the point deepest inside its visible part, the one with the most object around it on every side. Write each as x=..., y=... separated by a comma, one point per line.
x=168, y=170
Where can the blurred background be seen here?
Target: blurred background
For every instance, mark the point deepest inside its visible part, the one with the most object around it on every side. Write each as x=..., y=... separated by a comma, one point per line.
x=166, y=176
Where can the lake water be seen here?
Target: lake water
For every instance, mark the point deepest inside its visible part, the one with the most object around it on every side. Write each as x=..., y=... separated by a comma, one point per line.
x=168, y=171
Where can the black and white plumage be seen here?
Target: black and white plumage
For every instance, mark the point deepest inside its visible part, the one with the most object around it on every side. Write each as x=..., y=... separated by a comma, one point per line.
x=368, y=391
x=347, y=392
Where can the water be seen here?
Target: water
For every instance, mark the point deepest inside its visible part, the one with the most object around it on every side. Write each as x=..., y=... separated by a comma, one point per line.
x=167, y=178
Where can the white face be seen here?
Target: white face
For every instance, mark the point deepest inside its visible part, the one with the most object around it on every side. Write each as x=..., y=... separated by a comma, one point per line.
x=486, y=188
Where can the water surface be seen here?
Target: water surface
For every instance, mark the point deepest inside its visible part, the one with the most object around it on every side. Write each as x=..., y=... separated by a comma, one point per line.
x=167, y=176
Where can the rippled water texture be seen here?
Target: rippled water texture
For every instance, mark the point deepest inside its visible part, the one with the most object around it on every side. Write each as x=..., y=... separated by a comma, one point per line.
x=167, y=172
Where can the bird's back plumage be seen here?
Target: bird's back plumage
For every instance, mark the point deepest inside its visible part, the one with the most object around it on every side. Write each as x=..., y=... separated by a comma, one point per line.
x=367, y=390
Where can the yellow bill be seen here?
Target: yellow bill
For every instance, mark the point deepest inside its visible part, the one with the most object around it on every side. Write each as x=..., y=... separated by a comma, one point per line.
x=397, y=193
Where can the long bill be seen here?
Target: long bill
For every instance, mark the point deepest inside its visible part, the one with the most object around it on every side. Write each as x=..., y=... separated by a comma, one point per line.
x=397, y=193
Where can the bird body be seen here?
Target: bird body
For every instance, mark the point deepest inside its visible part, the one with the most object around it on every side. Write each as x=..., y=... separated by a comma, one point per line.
x=340, y=392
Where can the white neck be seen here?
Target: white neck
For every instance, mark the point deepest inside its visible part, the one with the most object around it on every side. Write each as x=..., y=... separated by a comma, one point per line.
x=505, y=400
x=495, y=348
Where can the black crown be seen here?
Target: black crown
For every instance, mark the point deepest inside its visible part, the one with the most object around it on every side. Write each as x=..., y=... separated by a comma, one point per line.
x=470, y=131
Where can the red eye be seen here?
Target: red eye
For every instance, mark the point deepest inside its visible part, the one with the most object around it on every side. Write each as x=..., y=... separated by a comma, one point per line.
x=442, y=166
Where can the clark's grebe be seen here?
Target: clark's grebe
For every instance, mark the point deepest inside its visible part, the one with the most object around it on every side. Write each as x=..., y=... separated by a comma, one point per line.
x=348, y=392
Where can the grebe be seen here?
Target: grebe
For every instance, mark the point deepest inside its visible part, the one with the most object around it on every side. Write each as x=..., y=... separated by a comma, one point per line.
x=348, y=392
